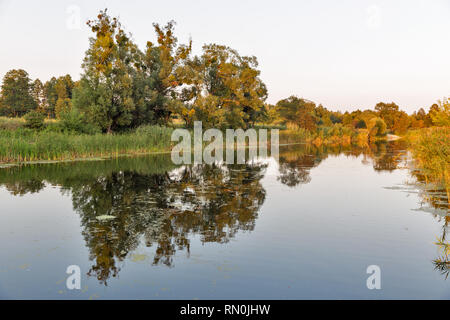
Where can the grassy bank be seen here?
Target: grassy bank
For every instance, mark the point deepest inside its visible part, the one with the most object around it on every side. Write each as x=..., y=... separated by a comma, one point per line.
x=20, y=123
x=330, y=136
x=431, y=150
x=23, y=145
x=19, y=144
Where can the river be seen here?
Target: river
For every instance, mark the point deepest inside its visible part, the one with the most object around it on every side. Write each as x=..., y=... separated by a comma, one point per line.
x=304, y=226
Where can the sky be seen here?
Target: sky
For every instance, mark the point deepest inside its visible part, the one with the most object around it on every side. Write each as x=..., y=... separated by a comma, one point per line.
x=343, y=54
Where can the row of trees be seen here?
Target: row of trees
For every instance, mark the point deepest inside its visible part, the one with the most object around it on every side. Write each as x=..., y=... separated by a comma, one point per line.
x=124, y=87
x=20, y=95
x=298, y=112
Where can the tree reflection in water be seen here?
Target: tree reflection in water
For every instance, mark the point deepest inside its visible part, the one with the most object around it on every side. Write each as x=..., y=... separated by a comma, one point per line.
x=153, y=202
x=296, y=161
x=212, y=201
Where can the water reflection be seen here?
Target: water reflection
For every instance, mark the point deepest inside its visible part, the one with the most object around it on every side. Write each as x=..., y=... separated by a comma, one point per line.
x=296, y=161
x=128, y=202
x=435, y=201
x=122, y=202
x=212, y=201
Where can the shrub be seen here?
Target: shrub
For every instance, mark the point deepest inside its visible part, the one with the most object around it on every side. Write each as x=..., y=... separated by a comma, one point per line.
x=52, y=126
x=34, y=120
x=431, y=151
x=74, y=121
x=377, y=128
x=361, y=124
x=441, y=116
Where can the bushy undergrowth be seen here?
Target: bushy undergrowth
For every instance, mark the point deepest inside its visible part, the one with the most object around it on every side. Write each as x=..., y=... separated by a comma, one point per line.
x=430, y=147
x=431, y=150
x=11, y=123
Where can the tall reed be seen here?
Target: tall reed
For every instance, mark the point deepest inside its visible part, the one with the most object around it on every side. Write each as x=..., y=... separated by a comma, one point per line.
x=26, y=145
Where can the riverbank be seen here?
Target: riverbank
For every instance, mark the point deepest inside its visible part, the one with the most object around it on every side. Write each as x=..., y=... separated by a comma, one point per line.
x=333, y=136
x=431, y=150
x=24, y=146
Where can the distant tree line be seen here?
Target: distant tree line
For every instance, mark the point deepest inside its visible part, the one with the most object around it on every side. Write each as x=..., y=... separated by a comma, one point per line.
x=302, y=113
x=19, y=95
x=123, y=87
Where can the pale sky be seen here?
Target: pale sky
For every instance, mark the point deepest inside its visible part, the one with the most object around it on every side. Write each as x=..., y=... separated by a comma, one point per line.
x=343, y=54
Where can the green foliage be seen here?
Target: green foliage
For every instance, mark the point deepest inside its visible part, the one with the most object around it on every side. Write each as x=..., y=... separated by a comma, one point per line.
x=336, y=130
x=16, y=94
x=295, y=136
x=74, y=121
x=226, y=88
x=163, y=69
x=11, y=123
x=387, y=112
x=123, y=88
x=105, y=91
x=29, y=145
x=51, y=97
x=298, y=112
x=38, y=94
x=377, y=128
x=441, y=115
x=34, y=120
x=360, y=124
x=431, y=150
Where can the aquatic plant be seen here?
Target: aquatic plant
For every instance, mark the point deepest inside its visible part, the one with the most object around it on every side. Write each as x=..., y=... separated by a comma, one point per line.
x=24, y=145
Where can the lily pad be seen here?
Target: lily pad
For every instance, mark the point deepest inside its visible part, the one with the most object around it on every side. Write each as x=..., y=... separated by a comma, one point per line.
x=105, y=218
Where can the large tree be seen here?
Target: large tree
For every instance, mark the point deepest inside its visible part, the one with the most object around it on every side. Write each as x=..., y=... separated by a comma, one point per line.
x=228, y=89
x=298, y=112
x=50, y=97
x=16, y=94
x=388, y=112
x=105, y=92
x=37, y=92
x=63, y=88
x=161, y=79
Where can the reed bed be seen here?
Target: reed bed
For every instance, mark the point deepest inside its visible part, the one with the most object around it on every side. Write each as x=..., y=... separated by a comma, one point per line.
x=27, y=146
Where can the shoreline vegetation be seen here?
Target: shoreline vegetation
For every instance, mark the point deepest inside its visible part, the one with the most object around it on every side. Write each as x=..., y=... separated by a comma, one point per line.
x=129, y=99
x=25, y=145
x=431, y=152
x=20, y=144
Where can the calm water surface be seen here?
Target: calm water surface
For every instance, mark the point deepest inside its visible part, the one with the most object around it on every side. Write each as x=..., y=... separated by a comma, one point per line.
x=304, y=227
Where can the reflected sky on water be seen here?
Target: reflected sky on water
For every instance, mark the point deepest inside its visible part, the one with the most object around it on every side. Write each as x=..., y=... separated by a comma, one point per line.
x=304, y=227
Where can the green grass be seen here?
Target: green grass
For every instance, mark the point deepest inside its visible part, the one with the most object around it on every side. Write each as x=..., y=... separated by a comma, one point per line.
x=11, y=123
x=24, y=145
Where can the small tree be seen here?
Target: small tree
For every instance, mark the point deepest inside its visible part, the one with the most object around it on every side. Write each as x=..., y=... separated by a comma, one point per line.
x=441, y=115
x=34, y=120
x=377, y=128
x=16, y=94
